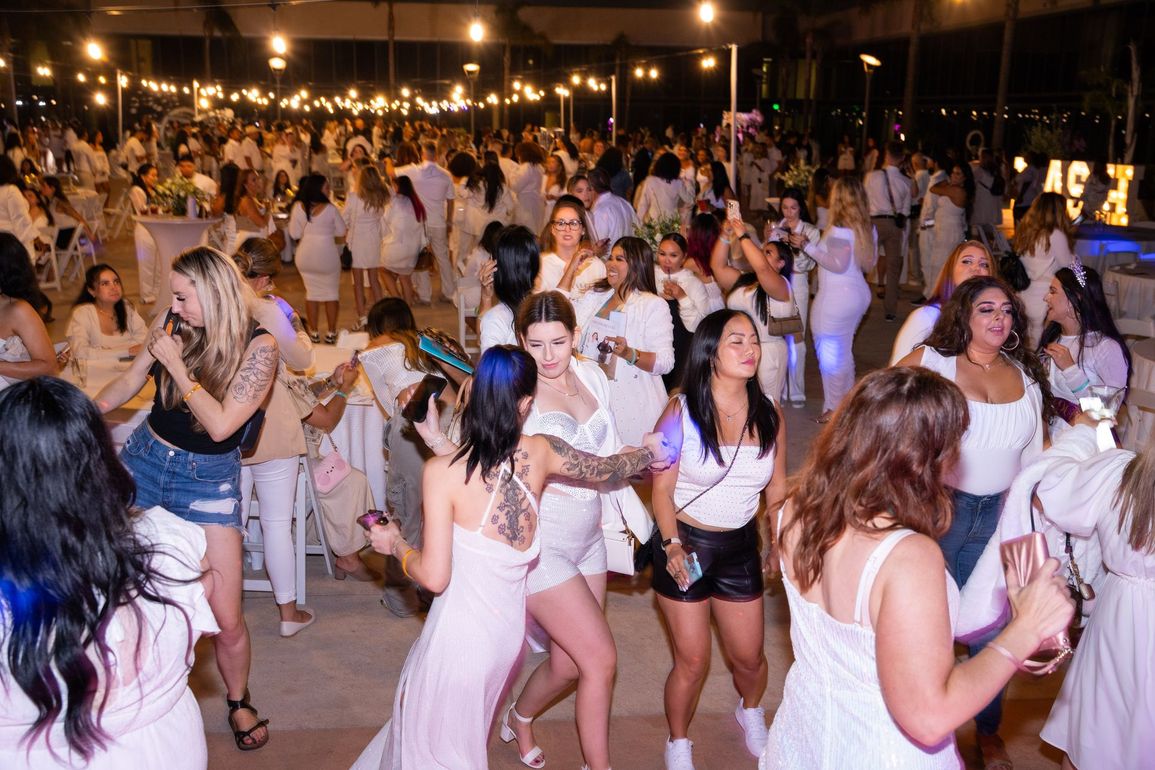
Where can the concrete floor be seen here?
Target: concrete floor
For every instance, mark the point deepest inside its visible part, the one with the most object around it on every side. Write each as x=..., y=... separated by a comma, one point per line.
x=329, y=689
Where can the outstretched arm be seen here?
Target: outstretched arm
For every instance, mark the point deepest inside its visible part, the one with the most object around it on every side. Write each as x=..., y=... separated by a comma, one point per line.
x=564, y=460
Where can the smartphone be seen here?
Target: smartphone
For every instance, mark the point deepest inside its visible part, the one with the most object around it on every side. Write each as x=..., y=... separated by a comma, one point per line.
x=373, y=517
x=356, y=359
x=693, y=570
x=733, y=211
x=418, y=407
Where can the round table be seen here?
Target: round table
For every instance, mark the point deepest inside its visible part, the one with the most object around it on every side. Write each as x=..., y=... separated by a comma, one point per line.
x=1141, y=422
x=1130, y=290
x=172, y=235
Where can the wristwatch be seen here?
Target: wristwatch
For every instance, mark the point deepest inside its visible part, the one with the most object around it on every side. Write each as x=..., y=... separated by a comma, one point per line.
x=670, y=541
x=744, y=237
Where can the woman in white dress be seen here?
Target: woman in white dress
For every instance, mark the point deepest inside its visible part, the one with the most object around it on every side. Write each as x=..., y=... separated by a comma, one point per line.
x=480, y=536
x=701, y=236
x=565, y=238
x=25, y=348
x=526, y=184
x=103, y=324
x=764, y=294
x=1103, y=717
x=403, y=228
x=1080, y=347
x=685, y=294
x=969, y=258
x=953, y=200
x=874, y=683
x=1045, y=242
x=643, y=348
x=487, y=199
x=731, y=446
x=795, y=230
x=554, y=182
x=664, y=194
x=363, y=212
x=102, y=170
x=847, y=250
x=316, y=223
x=977, y=344
x=505, y=283
x=112, y=632
x=140, y=198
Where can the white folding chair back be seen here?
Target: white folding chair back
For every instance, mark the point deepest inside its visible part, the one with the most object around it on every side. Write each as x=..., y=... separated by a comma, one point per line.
x=465, y=300
x=49, y=272
x=117, y=214
x=72, y=258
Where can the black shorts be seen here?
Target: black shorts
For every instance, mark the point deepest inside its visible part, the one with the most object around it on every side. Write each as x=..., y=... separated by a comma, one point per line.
x=731, y=565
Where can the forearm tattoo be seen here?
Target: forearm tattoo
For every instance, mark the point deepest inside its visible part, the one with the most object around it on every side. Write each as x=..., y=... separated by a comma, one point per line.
x=253, y=379
x=586, y=467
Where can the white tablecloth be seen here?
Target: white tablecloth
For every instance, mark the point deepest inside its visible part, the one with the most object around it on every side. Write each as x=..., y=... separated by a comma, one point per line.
x=89, y=203
x=1141, y=422
x=1130, y=290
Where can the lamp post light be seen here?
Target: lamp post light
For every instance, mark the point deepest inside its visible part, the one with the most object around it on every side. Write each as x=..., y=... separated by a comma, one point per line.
x=869, y=65
x=277, y=64
x=96, y=52
x=472, y=70
x=706, y=14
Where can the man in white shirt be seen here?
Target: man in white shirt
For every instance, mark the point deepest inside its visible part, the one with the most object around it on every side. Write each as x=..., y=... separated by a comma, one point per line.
x=135, y=155
x=888, y=195
x=188, y=169
x=250, y=152
x=232, y=150
x=612, y=216
x=434, y=187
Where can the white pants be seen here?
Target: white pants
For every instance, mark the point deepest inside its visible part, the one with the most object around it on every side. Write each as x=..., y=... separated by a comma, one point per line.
x=795, y=390
x=439, y=242
x=276, y=485
x=931, y=267
x=422, y=285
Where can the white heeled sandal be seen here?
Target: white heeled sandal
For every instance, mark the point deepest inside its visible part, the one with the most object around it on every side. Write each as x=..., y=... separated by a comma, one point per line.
x=535, y=757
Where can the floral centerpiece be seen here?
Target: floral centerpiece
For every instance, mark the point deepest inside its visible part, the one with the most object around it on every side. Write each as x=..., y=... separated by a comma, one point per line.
x=652, y=230
x=798, y=175
x=172, y=197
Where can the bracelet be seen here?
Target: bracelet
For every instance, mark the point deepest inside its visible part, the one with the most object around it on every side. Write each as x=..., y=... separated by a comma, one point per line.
x=671, y=541
x=634, y=358
x=744, y=237
x=342, y=394
x=724, y=240
x=196, y=386
x=436, y=441
x=1005, y=653
x=404, y=562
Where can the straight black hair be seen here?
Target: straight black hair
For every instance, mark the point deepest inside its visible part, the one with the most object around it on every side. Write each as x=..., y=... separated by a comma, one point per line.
x=799, y=197
x=667, y=167
x=786, y=254
x=17, y=278
x=491, y=422
x=489, y=175
x=518, y=258
x=719, y=179
x=91, y=276
x=761, y=416
x=310, y=193
x=1090, y=306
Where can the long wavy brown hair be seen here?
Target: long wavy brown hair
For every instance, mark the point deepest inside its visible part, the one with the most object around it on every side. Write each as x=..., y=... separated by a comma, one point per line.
x=1046, y=215
x=856, y=471
x=1136, y=500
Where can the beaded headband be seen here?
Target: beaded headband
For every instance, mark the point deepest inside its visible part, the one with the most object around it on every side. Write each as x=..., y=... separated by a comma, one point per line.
x=1080, y=272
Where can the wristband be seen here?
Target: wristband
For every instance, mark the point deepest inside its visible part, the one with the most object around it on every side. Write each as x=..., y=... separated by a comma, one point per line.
x=744, y=237
x=724, y=240
x=196, y=386
x=671, y=541
x=404, y=562
x=634, y=357
x=342, y=394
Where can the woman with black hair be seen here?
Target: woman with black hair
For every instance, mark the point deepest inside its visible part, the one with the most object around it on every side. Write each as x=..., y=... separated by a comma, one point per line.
x=140, y=197
x=731, y=448
x=223, y=235
x=664, y=193
x=25, y=348
x=101, y=602
x=686, y=296
x=508, y=279
x=487, y=198
x=316, y=223
x=103, y=323
x=717, y=190
x=1081, y=346
x=64, y=214
x=480, y=536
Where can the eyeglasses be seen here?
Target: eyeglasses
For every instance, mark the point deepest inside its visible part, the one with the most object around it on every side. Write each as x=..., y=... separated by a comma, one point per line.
x=566, y=224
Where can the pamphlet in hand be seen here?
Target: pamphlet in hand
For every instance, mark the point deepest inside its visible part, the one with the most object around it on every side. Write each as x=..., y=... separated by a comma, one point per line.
x=441, y=354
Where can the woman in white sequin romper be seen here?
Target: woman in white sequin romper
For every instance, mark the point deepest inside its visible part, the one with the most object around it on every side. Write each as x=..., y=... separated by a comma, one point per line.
x=875, y=683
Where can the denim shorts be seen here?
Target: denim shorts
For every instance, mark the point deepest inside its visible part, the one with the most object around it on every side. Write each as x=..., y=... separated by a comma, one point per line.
x=199, y=488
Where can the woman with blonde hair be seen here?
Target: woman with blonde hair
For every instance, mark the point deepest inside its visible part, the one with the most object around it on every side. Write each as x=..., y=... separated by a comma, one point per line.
x=1045, y=242
x=213, y=367
x=364, y=208
x=847, y=250
x=969, y=258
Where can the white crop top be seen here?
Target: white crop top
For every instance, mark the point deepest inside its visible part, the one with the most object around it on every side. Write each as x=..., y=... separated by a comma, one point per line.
x=1001, y=438
x=734, y=501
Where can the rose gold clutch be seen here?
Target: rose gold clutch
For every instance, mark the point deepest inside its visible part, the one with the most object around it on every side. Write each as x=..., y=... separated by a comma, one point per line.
x=1023, y=557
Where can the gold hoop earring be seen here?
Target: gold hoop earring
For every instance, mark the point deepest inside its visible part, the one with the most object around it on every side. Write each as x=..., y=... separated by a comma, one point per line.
x=1018, y=341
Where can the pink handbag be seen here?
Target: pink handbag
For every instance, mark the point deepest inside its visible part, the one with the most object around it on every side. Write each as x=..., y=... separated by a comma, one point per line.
x=1024, y=556
x=330, y=471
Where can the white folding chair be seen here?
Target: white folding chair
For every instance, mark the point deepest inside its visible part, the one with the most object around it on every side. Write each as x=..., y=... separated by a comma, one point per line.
x=117, y=214
x=72, y=257
x=49, y=272
x=466, y=312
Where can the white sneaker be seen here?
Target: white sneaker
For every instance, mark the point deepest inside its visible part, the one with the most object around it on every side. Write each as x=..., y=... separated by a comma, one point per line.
x=679, y=754
x=753, y=724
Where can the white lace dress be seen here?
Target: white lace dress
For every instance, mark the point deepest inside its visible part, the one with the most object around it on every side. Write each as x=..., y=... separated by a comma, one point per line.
x=833, y=715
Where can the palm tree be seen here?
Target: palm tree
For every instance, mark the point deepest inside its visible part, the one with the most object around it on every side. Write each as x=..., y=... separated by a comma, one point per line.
x=512, y=30
x=1004, y=73
x=917, y=17
x=217, y=20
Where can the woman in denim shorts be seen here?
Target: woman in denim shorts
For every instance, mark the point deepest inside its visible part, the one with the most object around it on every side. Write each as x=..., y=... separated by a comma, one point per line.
x=213, y=369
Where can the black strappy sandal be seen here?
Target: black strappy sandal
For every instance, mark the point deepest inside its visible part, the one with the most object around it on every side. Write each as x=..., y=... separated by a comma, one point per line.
x=240, y=736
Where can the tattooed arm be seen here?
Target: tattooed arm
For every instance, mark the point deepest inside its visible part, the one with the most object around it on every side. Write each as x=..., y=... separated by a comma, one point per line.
x=245, y=394
x=564, y=460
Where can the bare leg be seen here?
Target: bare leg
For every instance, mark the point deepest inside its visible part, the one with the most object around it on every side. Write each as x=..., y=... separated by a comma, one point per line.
x=374, y=287
x=233, y=650
x=741, y=629
x=311, y=310
x=331, y=309
x=407, y=292
x=581, y=649
x=389, y=281
x=359, y=291
x=1068, y=764
x=689, y=625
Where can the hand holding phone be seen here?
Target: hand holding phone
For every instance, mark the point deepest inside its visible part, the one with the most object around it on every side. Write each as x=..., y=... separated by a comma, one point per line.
x=733, y=210
x=373, y=517
x=418, y=407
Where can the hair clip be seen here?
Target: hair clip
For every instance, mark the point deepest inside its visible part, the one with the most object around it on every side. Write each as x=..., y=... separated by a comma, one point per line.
x=1080, y=273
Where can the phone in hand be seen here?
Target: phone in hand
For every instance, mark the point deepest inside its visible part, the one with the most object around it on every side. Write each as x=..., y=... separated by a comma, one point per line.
x=733, y=210
x=693, y=570
x=371, y=518
x=418, y=407
x=172, y=324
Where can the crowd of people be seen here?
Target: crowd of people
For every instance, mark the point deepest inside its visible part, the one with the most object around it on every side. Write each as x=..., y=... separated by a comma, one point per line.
x=643, y=312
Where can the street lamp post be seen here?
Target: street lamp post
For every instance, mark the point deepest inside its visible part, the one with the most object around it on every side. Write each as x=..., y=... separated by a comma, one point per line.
x=277, y=64
x=95, y=52
x=472, y=70
x=869, y=65
x=614, y=108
